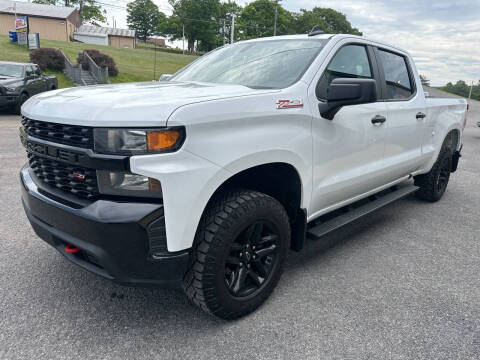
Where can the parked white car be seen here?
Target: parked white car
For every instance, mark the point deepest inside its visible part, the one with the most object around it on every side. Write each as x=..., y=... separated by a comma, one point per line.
x=208, y=179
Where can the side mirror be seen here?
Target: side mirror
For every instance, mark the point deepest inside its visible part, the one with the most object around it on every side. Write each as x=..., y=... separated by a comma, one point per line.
x=346, y=91
x=165, y=77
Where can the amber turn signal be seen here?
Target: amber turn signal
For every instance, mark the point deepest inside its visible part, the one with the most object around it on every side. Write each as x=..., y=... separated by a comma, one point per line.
x=162, y=140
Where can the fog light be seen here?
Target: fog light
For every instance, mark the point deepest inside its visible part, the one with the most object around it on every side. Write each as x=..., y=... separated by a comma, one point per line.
x=127, y=184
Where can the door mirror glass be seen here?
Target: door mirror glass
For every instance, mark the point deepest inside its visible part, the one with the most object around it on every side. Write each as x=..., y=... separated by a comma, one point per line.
x=346, y=91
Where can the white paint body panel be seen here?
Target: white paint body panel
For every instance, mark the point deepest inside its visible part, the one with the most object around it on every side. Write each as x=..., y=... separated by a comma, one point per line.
x=232, y=128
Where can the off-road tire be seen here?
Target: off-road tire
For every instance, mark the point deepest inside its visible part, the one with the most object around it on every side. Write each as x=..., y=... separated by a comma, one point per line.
x=430, y=190
x=222, y=222
x=17, y=109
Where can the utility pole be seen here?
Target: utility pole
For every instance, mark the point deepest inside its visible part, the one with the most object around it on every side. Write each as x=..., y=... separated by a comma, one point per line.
x=232, y=38
x=183, y=38
x=276, y=17
x=471, y=88
x=223, y=32
x=155, y=63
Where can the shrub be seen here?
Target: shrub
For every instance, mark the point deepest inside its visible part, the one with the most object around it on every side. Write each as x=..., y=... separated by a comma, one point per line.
x=48, y=59
x=101, y=60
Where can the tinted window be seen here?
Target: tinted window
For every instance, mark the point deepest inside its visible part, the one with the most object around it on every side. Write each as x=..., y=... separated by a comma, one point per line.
x=28, y=71
x=258, y=64
x=350, y=61
x=396, y=75
x=37, y=71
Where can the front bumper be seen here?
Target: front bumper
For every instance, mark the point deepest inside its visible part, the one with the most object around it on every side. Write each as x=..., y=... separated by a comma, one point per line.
x=114, y=238
x=8, y=100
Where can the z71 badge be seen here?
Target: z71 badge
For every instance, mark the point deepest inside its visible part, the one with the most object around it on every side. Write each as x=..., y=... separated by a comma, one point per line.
x=289, y=104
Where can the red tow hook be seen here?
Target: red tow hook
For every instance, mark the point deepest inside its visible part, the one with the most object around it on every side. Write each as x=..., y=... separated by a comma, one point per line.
x=70, y=249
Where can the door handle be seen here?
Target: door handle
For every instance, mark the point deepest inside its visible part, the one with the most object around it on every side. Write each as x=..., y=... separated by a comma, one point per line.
x=379, y=119
x=421, y=115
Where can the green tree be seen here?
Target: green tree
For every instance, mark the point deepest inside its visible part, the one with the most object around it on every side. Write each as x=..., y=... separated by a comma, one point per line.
x=258, y=17
x=226, y=9
x=144, y=17
x=461, y=88
x=200, y=18
x=329, y=20
x=90, y=11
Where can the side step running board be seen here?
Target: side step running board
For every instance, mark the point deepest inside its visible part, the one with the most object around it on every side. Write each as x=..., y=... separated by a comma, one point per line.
x=319, y=230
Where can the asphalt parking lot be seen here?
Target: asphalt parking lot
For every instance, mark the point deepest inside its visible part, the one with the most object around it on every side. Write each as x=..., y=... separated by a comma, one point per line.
x=402, y=283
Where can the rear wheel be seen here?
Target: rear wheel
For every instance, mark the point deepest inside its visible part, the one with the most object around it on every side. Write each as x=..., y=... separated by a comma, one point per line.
x=239, y=252
x=18, y=108
x=433, y=184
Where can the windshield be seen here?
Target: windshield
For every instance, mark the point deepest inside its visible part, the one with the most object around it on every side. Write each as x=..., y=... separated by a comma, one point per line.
x=11, y=70
x=272, y=64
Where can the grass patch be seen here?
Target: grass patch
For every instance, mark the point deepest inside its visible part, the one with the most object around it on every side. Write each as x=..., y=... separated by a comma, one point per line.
x=133, y=64
x=63, y=80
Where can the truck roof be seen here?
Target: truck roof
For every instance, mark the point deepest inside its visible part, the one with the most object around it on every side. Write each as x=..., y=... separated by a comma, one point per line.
x=324, y=37
x=15, y=63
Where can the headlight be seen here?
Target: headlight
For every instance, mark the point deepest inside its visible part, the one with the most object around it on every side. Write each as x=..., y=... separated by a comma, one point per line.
x=8, y=90
x=138, y=141
x=127, y=184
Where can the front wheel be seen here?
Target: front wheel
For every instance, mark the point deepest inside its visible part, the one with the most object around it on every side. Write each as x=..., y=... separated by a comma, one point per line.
x=18, y=108
x=239, y=253
x=433, y=184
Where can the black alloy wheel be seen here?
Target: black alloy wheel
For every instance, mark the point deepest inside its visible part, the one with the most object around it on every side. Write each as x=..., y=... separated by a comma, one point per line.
x=252, y=257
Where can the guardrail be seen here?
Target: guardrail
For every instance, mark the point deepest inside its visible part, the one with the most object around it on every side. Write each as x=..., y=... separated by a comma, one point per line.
x=100, y=74
x=73, y=72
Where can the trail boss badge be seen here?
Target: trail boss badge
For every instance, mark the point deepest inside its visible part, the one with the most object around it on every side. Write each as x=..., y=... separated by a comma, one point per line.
x=289, y=104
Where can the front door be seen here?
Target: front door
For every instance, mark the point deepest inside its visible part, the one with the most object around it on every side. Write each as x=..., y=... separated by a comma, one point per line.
x=34, y=82
x=348, y=150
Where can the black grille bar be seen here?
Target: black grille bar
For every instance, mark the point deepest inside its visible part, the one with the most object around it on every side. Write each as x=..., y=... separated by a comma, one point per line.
x=79, y=136
x=73, y=179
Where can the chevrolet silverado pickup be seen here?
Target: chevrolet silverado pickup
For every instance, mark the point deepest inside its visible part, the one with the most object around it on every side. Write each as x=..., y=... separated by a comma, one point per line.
x=20, y=81
x=207, y=180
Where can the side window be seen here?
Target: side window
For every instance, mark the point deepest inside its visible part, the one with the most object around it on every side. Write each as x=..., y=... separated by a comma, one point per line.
x=37, y=71
x=397, y=78
x=351, y=61
x=29, y=71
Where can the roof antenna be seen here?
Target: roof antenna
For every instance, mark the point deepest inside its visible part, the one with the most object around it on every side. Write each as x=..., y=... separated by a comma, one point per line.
x=315, y=31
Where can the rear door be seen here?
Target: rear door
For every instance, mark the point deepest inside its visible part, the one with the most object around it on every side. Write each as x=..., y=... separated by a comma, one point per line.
x=406, y=114
x=348, y=150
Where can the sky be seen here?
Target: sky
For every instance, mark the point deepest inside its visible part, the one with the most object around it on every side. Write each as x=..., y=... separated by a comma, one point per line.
x=443, y=36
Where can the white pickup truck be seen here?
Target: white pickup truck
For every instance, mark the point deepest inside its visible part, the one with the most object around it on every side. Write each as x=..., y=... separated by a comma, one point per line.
x=208, y=179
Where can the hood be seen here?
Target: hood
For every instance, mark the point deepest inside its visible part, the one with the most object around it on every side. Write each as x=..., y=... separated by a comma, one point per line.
x=132, y=104
x=6, y=80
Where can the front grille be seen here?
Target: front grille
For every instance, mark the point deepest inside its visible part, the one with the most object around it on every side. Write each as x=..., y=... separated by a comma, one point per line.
x=73, y=179
x=79, y=136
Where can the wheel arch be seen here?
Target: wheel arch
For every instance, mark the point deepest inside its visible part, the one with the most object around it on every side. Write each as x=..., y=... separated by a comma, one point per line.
x=280, y=180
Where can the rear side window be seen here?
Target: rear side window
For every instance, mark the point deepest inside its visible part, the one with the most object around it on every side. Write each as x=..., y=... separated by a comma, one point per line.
x=351, y=61
x=397, y=78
